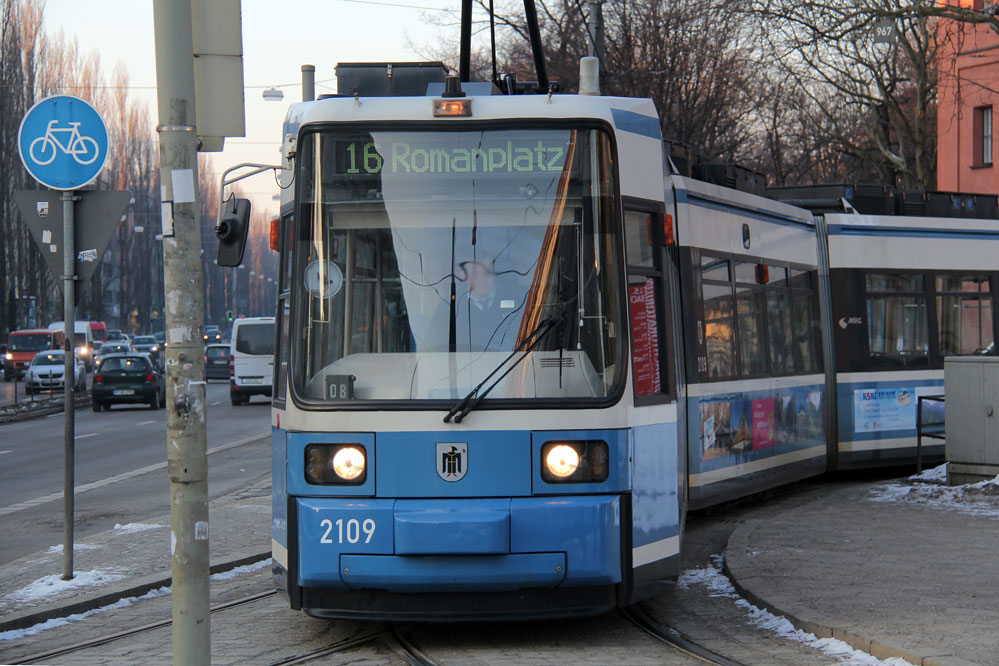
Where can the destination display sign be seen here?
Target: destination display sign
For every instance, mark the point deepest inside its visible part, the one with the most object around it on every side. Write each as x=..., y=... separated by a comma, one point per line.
x=442, y=153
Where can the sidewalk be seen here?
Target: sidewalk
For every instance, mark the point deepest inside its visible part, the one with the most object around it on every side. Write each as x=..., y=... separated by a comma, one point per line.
x=130, y=560
x=900, y=569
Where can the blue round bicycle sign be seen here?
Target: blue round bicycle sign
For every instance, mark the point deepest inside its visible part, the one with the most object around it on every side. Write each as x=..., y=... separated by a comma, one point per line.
x=63, y=142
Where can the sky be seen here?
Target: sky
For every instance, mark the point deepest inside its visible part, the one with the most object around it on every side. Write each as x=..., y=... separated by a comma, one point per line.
x=279, y=36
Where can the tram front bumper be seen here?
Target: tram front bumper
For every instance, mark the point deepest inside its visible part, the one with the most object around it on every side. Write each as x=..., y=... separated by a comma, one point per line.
x=504, y=544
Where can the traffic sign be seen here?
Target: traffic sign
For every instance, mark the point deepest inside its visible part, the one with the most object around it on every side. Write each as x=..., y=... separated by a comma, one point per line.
x=98, y=214
x=63, y=142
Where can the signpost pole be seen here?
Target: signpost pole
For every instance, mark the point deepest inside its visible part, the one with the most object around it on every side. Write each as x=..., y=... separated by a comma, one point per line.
x=187, y=462
x=68, y=377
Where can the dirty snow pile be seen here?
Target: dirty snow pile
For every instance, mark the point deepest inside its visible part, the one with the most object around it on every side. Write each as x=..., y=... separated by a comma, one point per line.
x=719, y=585
x=929, y=488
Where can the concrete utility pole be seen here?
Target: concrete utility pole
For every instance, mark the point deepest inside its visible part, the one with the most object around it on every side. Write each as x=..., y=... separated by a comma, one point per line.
x=187, y=462
x=68, y=379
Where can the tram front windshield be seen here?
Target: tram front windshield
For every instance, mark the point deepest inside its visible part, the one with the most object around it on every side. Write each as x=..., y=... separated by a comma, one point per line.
x=425, y=258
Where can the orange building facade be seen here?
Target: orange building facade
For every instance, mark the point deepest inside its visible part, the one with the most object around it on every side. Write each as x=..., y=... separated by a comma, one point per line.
x=968, y=101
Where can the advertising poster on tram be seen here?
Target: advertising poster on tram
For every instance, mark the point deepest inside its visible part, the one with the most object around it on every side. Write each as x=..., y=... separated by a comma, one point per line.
x=645, y=338
x=879, y=409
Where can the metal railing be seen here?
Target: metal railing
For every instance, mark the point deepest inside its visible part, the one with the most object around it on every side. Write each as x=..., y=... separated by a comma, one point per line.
x=933, y=430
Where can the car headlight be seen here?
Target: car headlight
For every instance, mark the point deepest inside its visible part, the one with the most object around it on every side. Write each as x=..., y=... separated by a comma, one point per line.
x=335, y=464
x=9, y=356
x=82, y=351
x=583, y=461
x=154, y=348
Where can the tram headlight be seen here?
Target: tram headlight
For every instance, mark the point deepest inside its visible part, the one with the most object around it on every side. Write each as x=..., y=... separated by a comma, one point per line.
x=335, y=464
x=584, y=461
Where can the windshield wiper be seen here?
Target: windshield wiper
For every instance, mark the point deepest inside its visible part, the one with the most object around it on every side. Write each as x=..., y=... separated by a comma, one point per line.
x=473, y=398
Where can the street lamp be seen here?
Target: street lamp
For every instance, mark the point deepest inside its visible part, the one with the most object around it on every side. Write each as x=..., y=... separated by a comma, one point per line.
x=273, y=95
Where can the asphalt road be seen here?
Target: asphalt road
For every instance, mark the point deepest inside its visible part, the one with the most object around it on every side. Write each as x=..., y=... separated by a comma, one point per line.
x=112, y=451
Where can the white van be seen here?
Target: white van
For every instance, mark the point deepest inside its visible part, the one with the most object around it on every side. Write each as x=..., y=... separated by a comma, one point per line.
x=83, y=340
x=251, y=359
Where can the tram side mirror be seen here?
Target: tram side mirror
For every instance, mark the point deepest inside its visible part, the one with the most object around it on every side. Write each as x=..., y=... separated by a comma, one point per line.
x=232, y=229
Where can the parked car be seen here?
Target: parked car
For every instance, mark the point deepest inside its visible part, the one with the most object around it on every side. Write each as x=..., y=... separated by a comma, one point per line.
x=22, y=347
x=252, y=358
x=216, y=361
x=128, y=378
x=46, y=373
x=213, y=334
x=109, y=348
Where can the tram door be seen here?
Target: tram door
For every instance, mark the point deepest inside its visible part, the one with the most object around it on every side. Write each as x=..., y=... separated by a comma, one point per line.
x=658, y=473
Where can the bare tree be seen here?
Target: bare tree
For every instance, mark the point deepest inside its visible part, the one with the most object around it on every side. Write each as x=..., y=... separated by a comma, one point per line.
x=874, y=103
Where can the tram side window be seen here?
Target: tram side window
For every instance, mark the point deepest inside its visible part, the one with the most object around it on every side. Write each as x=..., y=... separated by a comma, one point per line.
x=766, y=327
x=897, y=328
x=750, y=309
x=719, y=341
x=964, y=314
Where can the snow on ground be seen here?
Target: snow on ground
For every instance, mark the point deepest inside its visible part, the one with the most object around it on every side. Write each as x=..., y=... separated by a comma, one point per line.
x=121, y=603
x=245, y=569
x=719, y=585
x=936, y=475
x=928, y=488
x=14, y=634
x=53, y=584
x=132, y=528
x=77, y=547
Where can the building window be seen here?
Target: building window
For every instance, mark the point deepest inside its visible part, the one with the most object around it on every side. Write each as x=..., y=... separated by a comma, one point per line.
x=982, y=132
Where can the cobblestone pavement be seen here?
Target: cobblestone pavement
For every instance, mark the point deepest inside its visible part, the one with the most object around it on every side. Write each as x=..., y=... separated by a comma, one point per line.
x=918, y=578
x=265, y=631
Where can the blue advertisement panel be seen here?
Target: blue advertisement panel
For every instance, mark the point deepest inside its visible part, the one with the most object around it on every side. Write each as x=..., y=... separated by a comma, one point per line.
x=883, y=409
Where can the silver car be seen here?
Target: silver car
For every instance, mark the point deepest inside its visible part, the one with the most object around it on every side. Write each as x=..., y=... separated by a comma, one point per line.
x=46, y=370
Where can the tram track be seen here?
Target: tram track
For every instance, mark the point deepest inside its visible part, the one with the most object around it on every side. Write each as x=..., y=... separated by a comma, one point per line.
x=394, y=636
x=665, y=634
x=95, y=642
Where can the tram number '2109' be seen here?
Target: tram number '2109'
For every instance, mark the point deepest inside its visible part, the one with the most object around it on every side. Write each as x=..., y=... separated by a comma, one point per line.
x=350, y=529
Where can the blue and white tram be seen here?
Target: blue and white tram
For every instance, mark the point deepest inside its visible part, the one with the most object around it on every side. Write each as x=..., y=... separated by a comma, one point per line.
x=476, y=411
x=907, y=291
x=755, y=389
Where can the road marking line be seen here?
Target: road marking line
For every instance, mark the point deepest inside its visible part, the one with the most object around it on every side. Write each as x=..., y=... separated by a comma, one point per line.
x=3, y=452
x=146, y=422
x=20, y=506
x=89, y=434
x=214, y=404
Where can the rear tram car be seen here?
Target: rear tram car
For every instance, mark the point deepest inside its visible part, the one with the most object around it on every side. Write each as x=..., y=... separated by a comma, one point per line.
x=912, y=280
x=514, y=346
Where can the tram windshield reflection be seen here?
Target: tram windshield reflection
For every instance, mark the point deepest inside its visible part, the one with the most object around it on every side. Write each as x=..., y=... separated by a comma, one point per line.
x=423, y=258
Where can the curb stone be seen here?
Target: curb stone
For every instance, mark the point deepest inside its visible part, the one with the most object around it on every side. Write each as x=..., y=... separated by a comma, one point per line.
x=733, y=565
x=136, y=587
x=81, y=401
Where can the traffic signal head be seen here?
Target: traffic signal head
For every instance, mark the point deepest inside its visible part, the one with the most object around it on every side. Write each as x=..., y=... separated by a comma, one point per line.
x=228, y=315
x=232, y=229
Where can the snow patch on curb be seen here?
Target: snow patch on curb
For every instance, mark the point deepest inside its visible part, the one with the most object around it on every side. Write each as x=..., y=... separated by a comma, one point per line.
x=15, y=634
x=132, y=528
x=53, y=585
x=719, y=585
x=244, y=569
